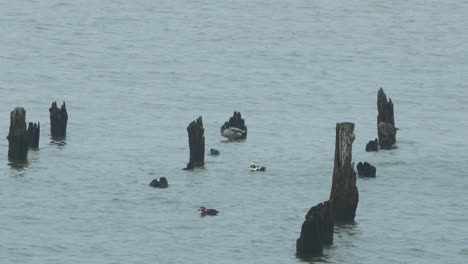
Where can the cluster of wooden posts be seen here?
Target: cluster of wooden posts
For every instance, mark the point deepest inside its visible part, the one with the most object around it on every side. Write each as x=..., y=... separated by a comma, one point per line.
x=20, y=139
x=317, y=229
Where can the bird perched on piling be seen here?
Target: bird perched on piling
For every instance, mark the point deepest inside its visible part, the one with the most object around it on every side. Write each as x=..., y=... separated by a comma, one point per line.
x=232, y=133
x=205, y=212
x=387, y=129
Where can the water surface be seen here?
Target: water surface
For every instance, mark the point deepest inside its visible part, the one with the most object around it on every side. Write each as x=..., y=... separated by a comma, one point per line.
x=134, y=74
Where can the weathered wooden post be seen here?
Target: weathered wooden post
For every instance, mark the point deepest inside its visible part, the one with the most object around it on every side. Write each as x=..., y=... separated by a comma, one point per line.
x=317, y=230
x=344, y=193
x=385, y=121
x=366, y=170
x=58, y=120
x=18, y=142
x=33, y=134
x=373, y=145
x=196, y=144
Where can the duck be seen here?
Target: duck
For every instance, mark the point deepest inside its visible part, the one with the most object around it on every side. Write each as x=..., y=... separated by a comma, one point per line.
x=387, y=129
x=231, y=132
x=254, y=167
x=205, y=212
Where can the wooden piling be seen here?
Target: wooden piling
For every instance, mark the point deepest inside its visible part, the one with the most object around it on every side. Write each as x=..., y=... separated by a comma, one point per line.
x=58, y=120
x=33, y=135
x=196, y=144
x=385, y=116
x=373, y=145
x=317, y=230
x=344, y=193
x=366, y=170
x=18, y=142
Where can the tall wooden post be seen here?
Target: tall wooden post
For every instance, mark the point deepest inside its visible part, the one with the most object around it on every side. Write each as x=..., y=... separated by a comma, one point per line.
x=196, y=144
x=385, y=116
x=18, y=142
x=34, y=130
x=344, y=193
x=58, y=120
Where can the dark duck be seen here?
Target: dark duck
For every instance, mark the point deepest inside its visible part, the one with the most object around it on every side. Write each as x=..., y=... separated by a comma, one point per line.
x=205, y=212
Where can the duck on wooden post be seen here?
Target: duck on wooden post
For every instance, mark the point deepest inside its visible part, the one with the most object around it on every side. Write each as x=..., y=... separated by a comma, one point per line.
x=386, y=129
x=344, y=193
x=18, y=140
x=58, y=121
x=196, y=144
x=235, y=128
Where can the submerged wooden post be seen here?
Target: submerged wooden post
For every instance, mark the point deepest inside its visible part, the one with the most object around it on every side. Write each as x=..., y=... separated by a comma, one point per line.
x=196, y=144
x=58, y=120
x=33, y=134
x=344, y=193
x=385, y=121
x=317, y=230
x=18, y=142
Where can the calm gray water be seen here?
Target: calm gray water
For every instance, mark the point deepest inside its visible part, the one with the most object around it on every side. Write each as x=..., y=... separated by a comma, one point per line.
x=135, y=73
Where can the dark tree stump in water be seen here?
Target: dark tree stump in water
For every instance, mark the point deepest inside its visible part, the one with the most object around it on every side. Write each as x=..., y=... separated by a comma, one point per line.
x=33, y=134
x=317, y=230
x=385, y=115
x=162, y=183
x=373, y=145
x=236, y=121
x=196, y=144
x=366, y=170
x=18, y=141
x=58, y=120
x=344, y=193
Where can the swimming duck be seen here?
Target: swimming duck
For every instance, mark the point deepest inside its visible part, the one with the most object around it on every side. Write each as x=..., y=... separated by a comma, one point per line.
x=387, y=129
x=231, y=132
x=205, y=212
x=254, y=167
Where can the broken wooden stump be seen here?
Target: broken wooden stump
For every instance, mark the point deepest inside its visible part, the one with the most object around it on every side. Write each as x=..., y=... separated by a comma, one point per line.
x=18, y=141
x=235, y=128
x=317, y=230
x=366, y=170
x=385, y=121
x=58, y=120
x=373, y=145
x=196, y=144
x=33, y=134
x=162, y=183
x=344, y=193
